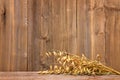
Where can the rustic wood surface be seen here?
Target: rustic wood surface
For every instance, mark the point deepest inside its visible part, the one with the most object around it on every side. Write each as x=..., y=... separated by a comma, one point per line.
x=29, y=28
x=35, y=76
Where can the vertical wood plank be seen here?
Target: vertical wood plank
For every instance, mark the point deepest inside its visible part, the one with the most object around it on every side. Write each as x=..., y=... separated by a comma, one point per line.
x=46, y=24
x=47, y=31
x=83, y=28
x=16, y=36
x=97, y=24
x=112, y=33
x=31, y=34
x=20, y=35
x=2, y=21
x=91, y=16
x=109, y=36
x=71, y=27
x=13, y=36
x=39, y=22
x=56, y=35
x=64, y=17
x=99, y=28
x=30, y=24
x=117, y=42
x=6, y=37
x=11, y=23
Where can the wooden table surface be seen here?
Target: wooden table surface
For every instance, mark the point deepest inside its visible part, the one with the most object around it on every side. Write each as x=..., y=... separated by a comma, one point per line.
x=35, y=76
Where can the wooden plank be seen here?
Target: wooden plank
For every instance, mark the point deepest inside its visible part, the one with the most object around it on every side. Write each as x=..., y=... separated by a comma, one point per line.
x=57, y=28
x=19, y=36
x=62, y=30
x=39, y=15
x=29, y=28
x=117, y=42
x=83, y=29
x=9, y=36
x=11, y=26
x=99, y=27
x=30, y=43
x=57, y=36
x=64, y=17
x=35, y=76
x=97, y=24
x=13, y=35
x=6, y=37
x=91, y=16
x=31, y=33
x=2, y=20
x=46, y=24
x=112, y=33
x=71, y=27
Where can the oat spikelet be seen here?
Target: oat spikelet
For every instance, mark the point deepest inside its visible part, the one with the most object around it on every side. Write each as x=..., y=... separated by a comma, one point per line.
x=76, y=65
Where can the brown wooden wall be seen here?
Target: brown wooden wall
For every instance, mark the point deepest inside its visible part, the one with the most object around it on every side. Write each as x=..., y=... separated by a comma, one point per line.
x=29, y=28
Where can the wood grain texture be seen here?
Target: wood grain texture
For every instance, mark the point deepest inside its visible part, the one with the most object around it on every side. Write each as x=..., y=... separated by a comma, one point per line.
x=35, y=76
x=83, y=28
x=112, y=33
x=29, y=28
x=97, y=24
x=32, y=33
x=20, y=35
x=6, y=34
x=1, y=31
x=39, y=20
x=14, y=36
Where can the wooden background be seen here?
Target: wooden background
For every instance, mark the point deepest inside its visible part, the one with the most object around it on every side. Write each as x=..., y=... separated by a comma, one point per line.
x=29, y=28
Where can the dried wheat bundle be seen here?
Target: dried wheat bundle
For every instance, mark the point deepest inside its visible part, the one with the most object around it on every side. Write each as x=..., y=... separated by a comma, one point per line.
x=76, y=65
